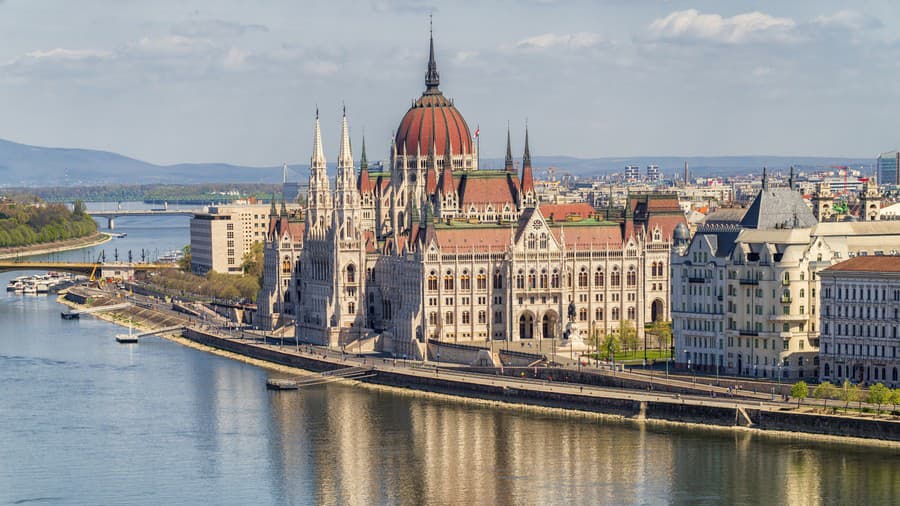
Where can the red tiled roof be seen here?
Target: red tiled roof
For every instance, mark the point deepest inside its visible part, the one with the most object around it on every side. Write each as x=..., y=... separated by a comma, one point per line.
x=430, y=181
x=868, y=264
x=527, y=179
x=666, y=223
x=467, y=238
x=559, y=212
x=364, y=184
x=589, y=236
x=493, y=190
x=415, y=130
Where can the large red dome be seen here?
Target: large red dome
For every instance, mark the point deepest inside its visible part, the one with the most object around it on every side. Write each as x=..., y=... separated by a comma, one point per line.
x=430, y=120
x=433, y=119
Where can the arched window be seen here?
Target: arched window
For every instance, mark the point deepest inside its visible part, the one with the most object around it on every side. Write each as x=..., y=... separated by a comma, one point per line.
x=466, y=318
x=599, y=278
x=554, y=279
x=531, y=243
x=615, y=279
x=448, y=281
x=351, y=274
x=615, y=314
x=631, y=277
x=582, y=278
x=449, y=318
x=432, y=282
x=432, y=318
x=498, y=279
x=544, y=242
x=543, y=279
x=598, y=314
x=520, y=280
x=482, y=317
x=481, y=281
x=532, y=280
x=465, y=282
x=351, y=307
x=582, y=314
x=631, y=313
x=802, y=293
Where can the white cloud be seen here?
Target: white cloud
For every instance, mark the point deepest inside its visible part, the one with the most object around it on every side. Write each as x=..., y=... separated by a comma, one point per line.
x=742, y=28
x=321, y=68
x=847, y=19
x=235, y=59
x=68, y=54
x=215, y=28
x=576, y=40
x=173, y=45
x=464, y=56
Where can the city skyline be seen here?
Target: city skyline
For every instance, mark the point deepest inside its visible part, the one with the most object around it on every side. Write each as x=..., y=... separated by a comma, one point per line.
x=198, y=81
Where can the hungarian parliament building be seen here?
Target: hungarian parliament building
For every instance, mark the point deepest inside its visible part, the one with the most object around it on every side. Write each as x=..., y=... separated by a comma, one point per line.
x=433, y=248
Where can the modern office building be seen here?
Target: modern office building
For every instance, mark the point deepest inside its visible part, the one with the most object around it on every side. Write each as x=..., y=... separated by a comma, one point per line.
x=221, y=236
x=860, y=300
x=889, y=168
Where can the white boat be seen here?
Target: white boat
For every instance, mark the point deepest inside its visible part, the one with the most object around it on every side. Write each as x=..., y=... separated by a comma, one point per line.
x=30, y=289
x=15, y=286
x=42, y=287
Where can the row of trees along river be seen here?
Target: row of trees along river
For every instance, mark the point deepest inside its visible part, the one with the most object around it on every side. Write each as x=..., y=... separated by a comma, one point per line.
x=25, y=221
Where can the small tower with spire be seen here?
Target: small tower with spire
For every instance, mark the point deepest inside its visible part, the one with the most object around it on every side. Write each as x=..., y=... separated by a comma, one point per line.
x=529, y=197
x=366, y=191
x=508, y=163
x=319, y=194
x=347, y=208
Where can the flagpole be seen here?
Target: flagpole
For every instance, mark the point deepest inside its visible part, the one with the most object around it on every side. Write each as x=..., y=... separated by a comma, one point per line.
x=478, y=146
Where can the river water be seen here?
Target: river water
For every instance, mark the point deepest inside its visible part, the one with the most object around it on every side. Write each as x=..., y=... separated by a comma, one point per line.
x=84, y=420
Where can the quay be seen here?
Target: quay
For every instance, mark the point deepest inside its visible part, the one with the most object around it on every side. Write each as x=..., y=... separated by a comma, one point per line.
x=622, y=395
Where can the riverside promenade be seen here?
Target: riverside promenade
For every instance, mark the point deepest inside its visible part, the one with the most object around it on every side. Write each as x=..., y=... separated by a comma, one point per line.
x=550, y=387
x=637, y=405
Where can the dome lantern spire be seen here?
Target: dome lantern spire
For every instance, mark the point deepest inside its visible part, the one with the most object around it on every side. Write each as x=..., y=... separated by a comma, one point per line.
x=432, y=78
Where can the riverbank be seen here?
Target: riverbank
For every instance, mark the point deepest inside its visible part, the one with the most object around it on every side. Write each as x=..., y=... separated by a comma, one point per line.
x=628, y=406
x=54, y=247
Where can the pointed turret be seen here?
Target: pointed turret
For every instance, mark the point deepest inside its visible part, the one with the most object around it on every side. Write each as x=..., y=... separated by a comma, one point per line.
x=508, y=164
x=363, y=162
x=527, y=177
x=364, y=184
x=283, y=207
x=318, y=157
x=272, y=211
x=448, y=153
x=345, y=158
x=432, y=78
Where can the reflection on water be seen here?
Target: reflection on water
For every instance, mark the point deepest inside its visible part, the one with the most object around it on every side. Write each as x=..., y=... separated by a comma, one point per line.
x=88, y=421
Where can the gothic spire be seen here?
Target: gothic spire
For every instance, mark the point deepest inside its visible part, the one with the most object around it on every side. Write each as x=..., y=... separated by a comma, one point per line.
x=318, y=158
x=345, y=159
x=765, y=182
x=363, y=162
x=272, y=211
x=526, y=158
x=448, y=154
x=509, y=159
x=283, y=206
x=432, y=78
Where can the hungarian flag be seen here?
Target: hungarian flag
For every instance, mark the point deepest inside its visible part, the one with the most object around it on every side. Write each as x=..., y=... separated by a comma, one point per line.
x=477, y=131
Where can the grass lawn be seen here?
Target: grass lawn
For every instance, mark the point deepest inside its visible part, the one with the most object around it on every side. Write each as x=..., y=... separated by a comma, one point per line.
x=637, y=355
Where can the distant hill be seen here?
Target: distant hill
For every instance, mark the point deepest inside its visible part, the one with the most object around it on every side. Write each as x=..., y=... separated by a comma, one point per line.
x=24, y=165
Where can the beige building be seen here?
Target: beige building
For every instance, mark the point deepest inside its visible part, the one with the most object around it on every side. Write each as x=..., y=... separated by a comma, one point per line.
x=744, y=294
x=860, y=321
x=220, y=237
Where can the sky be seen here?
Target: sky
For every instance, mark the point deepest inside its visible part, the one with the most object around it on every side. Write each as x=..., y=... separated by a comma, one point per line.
x=238, y=81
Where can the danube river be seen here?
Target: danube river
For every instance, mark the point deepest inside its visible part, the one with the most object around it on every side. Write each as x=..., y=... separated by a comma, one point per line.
x=84, y=420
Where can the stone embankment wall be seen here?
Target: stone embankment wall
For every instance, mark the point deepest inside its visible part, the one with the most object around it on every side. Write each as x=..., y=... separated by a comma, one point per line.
x=617, y=403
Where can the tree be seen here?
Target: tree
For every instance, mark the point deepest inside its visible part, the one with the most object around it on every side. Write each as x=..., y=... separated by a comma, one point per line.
x=185, y=262
x=252, y=262
x=895, y=397
x=800, y=390
x=79, y=209
x=663, y=332
x=879, y=394
x=611, y=345
x=825, y=391
x=628, y=335
x=849, y=393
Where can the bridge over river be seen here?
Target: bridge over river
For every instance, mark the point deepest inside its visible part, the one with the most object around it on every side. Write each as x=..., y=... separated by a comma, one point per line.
x=111, y=215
